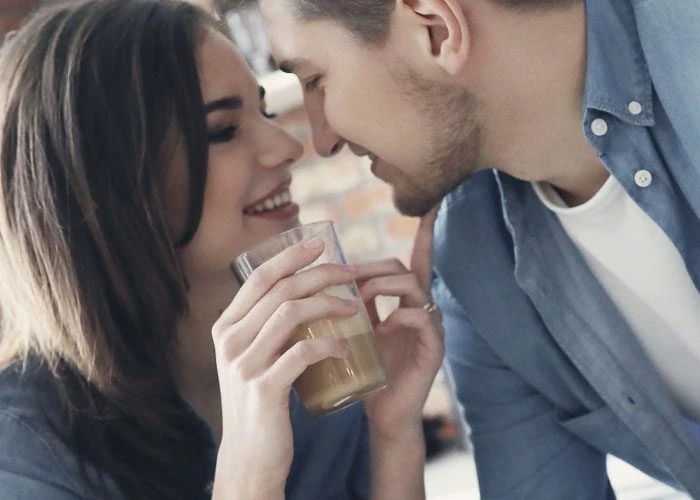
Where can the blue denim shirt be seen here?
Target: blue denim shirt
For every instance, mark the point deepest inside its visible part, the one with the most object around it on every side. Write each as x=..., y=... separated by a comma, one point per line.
x=331, y=453
x=551, y=377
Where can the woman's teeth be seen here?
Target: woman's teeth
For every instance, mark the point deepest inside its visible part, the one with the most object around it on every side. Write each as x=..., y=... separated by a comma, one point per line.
x=269, y=204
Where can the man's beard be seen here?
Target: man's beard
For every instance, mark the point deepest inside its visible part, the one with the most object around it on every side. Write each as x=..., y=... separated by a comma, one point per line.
x=455, y=145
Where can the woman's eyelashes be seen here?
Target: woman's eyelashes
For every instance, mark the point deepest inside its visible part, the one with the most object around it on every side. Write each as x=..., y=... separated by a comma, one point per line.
x=217, y=135
x=222, y=134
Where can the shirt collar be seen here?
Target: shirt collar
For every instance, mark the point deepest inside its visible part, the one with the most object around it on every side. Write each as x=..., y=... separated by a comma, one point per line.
x=617, y=73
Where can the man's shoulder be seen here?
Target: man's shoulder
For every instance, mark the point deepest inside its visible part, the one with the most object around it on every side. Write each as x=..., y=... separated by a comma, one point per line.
x=480, y=188
x=471, y=225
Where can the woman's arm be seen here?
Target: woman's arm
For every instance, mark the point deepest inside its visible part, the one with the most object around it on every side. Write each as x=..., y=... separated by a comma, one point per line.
x=397, y=464
x=411, y=342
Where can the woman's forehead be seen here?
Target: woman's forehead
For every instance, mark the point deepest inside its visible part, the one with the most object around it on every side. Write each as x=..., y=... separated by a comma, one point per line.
x=222, y=69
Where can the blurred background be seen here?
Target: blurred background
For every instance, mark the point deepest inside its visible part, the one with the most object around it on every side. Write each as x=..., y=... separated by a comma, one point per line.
x=343, y=189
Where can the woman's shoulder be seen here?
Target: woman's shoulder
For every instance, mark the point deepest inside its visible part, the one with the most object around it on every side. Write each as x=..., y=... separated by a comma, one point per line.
x=26, y=396
x=30, y=446
x=35, y=461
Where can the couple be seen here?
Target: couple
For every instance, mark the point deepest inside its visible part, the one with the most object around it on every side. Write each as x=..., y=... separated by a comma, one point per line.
x=568, y=277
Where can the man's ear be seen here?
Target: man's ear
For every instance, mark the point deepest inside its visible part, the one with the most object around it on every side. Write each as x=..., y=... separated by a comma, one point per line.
x=446, y=30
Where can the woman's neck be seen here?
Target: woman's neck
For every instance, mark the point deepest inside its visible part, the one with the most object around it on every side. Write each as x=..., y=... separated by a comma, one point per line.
x=195, y=359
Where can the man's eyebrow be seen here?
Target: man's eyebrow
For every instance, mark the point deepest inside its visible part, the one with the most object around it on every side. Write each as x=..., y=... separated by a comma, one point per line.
x=292, y=65
x=234, y=102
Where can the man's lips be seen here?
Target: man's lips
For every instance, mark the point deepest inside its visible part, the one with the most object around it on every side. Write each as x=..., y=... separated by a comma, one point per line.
x=373, y=165
x=365, y=153
x=361, y=152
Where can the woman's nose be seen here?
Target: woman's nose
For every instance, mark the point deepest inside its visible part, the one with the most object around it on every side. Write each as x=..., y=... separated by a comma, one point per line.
x=282, y=150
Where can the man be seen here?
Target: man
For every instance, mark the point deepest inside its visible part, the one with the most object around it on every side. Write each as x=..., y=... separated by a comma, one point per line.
x=568, y=277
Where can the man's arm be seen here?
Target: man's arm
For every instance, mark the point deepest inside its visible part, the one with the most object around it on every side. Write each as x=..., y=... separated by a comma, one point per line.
x=521, y=449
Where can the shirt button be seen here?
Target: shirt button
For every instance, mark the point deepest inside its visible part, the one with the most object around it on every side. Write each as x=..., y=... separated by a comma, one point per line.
x=635, y=108
x=642, y=178
x=599, y=127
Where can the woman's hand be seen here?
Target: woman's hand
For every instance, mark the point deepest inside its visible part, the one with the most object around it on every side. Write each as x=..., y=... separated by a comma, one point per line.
x=410, y=339
x=258, y=360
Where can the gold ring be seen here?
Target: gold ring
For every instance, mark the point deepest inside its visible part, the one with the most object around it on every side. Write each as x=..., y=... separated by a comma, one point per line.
x=430, y=307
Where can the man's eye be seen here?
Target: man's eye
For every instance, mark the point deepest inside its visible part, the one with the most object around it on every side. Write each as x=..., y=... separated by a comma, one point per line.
x=312, y=84
x=222, y=134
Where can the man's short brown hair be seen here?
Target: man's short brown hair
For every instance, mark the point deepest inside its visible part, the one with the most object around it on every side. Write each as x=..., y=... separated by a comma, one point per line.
x=369, y=19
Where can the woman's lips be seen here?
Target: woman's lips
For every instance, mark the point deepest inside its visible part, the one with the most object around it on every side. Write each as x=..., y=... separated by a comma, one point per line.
x=285, y=212
x=276, y=199
x=273, y=201
x=277, y=205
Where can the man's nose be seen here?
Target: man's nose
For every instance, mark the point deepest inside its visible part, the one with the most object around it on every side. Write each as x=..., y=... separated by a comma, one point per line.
x=326, y=141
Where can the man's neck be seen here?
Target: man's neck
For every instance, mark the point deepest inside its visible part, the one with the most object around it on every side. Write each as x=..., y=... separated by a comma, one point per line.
x=538, y=61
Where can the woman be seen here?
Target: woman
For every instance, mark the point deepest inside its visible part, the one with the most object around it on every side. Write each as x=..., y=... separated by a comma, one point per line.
x=135, y=152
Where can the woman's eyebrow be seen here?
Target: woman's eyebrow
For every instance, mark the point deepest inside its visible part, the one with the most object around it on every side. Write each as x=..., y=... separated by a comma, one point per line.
x=234, y=102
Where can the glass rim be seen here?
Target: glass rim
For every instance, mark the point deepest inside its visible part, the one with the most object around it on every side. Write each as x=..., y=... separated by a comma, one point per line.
x=267, y=241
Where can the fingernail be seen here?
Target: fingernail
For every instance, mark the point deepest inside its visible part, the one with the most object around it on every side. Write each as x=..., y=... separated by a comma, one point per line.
x=314, y=244
x=349, y=268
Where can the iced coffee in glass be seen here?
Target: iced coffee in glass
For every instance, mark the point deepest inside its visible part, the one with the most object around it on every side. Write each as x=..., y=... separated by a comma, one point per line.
x=332, y=383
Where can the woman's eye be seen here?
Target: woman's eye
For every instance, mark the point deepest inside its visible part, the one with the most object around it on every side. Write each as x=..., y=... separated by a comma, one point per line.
x=312, y=84
x=269, y=116
x=222, y=134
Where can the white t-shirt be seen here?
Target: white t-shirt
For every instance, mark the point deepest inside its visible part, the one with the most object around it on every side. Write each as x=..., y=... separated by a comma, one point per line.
x=646, y=278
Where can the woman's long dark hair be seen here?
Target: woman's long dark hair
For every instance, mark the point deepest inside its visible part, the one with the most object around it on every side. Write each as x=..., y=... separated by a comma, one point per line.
x=93, y=96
